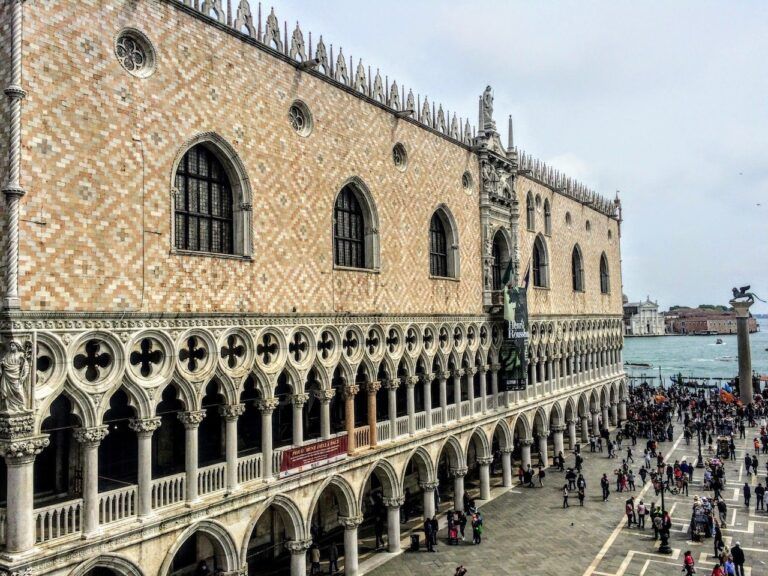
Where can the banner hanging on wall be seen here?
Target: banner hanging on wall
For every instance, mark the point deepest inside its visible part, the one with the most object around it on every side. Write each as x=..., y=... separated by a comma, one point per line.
x=512, y=355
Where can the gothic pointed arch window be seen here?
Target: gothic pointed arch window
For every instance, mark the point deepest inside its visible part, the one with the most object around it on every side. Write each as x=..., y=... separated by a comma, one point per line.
x=577, y=269
x=540, y=263
x=605, y=278
x=355, y=228
x=530, y=212
x=500, y=259
x=547, y=218
x=211, y=200
x=443, y=245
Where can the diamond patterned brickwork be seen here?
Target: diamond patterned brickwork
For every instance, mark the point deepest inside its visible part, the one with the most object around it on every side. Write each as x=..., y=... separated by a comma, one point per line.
x=561, y=296
x=83, y=171
x=99, y=145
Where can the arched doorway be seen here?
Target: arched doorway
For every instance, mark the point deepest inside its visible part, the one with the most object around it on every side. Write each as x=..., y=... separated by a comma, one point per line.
x=268, y=550
x=205, y=544
x=451, y=469
x=380, y=501
x=334, y=520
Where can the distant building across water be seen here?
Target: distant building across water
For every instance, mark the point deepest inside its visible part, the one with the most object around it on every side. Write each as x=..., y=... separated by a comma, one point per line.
x=703, y=321
x=642, y=318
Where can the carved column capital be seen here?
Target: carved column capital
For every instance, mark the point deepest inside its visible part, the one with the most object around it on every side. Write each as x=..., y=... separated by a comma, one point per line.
x=23, y=450
x=558, y=428
x=429, y=486
x=297, y=546
x=144, y=426
x=595, y=411
x=471, y=371
x=268, y=405
x=526, y=442
x=372, y=387
x=507, y=450
x=299, y=399
x=350, y=522
x=91, y=436
x=392, y=384
x=232, y=411
x=495, y=367
x=394, y=502
x=427, y=378
x=485, y=461
x=446, y=374
x=411, y=381
x=458, y=472
x=350, y=390
x=191, y=419
x=459, y=372
x=325, y=395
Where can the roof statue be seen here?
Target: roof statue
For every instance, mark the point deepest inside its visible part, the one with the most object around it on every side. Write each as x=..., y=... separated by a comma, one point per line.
x=488, y=123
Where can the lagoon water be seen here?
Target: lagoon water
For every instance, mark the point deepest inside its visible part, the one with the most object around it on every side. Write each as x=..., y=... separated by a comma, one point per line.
x=697, y=356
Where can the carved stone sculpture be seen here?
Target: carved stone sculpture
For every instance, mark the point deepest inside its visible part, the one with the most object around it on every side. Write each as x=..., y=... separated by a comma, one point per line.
x=488, y=122
x=14, y=378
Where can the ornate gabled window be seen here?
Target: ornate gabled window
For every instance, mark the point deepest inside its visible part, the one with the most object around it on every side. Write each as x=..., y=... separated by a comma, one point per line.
x=204, y=206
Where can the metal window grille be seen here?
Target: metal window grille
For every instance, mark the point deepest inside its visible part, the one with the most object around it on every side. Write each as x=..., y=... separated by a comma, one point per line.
x=438, y=248
x=349, y=231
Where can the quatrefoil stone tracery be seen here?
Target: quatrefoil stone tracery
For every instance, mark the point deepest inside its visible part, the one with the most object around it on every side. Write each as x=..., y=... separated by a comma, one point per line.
x=93, y=361
x=325, y=345
x=233, y=351
x=193, y=354
x=147, y=358
x=267, y=349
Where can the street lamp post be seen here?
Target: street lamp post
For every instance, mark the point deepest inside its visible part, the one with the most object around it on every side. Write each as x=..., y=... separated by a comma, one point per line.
x=664, y=532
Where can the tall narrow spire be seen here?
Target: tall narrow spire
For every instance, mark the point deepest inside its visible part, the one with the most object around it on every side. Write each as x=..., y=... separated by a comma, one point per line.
x=511, y=140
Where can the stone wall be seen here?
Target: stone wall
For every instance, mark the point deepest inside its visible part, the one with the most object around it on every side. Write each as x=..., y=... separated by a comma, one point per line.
x=92, y=182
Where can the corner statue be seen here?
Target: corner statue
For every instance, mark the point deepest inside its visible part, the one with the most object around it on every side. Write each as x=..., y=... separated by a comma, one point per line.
x=487, y=110
x=13, y=380
x=744, y=292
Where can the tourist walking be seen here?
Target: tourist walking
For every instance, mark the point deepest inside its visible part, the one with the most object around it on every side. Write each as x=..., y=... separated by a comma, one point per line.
x=688, y=564
x=738, y=558
x=641, y=511
x=314, y=560
x=565, y=496
x=605, y=485
x=747, y=491
x=581, y=497
x=759, y=495
x=333, y=559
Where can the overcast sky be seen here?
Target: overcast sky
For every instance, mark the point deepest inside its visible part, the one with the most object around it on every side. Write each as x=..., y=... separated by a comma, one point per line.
x=664, y=101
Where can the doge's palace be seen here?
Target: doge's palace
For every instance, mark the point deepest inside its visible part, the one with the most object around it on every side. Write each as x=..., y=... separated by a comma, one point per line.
x=252, y=295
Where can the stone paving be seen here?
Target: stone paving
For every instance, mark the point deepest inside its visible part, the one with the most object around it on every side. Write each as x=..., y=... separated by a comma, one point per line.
x=528, y=532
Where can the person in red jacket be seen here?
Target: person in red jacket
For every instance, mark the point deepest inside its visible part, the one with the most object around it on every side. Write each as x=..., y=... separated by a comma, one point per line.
x=688, y=564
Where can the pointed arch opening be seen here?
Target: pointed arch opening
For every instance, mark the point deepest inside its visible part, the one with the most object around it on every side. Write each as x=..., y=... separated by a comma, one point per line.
x=540, y=263
x=443, y=245
x=605, y=278
x=355, y=228
x=577, y=269
x=501, y=256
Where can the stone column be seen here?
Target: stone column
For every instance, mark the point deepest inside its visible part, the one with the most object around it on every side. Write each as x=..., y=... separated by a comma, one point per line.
x=614, y=413
x=444, y=395
x=427, y=382
x=595, y=421
x=144, y=429
x=191, y=421
x=469, y=373
x=428, y=492
x=297, y=413
x=393, y=522
x=325, y=397
x=556, y=375
x=585, y=429
x=89, y=440
x=458, y=487
x=19, y=454
x=606, y=416
x=746, y=392
x=506, y=467
x=495, y=386
x=298, y=550
x=266, y=407
x=349, y=417
x=485, y=477
x=457, y=374
x=484, y=404
x=350, y=523
x=623, y=410
x=525, y=452
x=230, y=414
x=411, y=382
x=571, y=434
x=557, y=439
x=371, y=389
x=544, y=448
x=392, y=386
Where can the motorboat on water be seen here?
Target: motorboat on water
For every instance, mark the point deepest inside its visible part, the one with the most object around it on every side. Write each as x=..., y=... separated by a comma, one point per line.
x=719, y=341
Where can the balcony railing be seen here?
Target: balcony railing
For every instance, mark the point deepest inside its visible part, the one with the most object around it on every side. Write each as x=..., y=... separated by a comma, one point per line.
x=58, y=520
x=211, y=478
x=421, y=421
x=402, y=425
x=117, y=505
x=451, y=412
x=382, y=431
x=478, y=405
x=249, y=468
x=362, y=437
x=437, y=416
x=465, y=408
x=168, y=490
